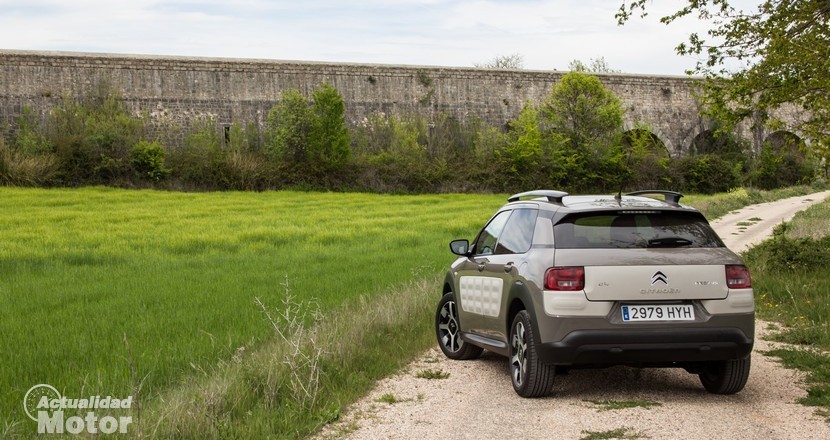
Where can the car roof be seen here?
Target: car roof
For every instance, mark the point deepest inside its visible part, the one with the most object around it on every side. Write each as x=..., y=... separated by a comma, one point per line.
x=565, y=203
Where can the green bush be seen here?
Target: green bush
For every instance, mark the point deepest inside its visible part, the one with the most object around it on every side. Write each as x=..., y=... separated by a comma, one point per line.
x=519, y=160
x=777, y=168
x=583, y=111
x=29, y=137
x=783, y=253
x=647, y=162
x=93, y=137
x=402, y=164
x=147, y=160
x=199, y=162
x=311, y=140
x=705, y=174
x=289, y=127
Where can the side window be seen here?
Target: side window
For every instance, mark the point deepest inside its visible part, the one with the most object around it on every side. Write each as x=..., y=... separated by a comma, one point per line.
x=518, y=233
x=486, y=243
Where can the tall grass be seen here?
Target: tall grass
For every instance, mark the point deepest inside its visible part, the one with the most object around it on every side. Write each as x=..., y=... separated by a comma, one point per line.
x=177, y=274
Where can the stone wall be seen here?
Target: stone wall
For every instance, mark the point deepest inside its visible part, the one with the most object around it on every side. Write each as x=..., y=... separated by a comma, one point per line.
x=179, y=89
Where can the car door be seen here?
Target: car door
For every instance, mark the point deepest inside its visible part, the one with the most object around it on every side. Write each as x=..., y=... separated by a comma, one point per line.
x=485, y=280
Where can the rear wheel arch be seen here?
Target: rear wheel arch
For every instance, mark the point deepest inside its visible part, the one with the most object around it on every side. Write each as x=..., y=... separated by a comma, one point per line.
x=520, y=299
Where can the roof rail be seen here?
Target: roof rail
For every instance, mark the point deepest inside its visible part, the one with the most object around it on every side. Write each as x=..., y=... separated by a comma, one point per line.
x=672, y=197
x=552, y=196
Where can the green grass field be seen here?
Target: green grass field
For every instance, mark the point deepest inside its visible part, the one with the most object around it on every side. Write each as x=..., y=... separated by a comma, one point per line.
x=177, y=274
x=95, y=282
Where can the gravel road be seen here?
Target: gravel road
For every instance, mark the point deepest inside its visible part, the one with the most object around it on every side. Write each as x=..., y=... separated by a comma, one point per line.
x=476, y=400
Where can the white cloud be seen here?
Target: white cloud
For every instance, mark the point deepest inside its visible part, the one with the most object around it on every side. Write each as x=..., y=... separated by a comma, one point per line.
x=547, y=33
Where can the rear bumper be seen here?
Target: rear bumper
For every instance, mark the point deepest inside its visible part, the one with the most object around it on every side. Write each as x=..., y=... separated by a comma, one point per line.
x=647, y=346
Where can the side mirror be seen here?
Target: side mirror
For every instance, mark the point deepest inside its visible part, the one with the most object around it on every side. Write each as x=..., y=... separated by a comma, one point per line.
x=460, y=247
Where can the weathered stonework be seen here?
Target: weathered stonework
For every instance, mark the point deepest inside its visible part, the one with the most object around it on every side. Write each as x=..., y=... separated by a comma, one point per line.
x=178, y=89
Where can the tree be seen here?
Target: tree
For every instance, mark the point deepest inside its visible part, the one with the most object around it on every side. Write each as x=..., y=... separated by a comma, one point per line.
x=782, y=50
x=503, y=62
x=581, y=109
x=584, y=120
x=311, y=139
x=289, y=125
x=520, y=157
x=595, y=65
x=329, y=140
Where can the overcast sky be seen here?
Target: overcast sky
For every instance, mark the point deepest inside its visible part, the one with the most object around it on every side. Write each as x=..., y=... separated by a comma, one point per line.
x=547, y=33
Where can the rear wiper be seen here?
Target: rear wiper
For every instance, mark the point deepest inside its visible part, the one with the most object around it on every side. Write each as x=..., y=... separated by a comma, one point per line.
x=669, y=242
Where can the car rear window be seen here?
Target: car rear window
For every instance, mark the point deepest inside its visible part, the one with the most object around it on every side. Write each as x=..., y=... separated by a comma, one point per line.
x=652, y=229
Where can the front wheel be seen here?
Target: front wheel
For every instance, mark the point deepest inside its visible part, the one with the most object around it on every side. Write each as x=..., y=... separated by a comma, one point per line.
x=530, y=377
x=725, y=377
x=448, y=331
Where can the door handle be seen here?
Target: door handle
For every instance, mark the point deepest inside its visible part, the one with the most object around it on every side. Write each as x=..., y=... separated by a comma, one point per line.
x=481, y=267
x=508, y=267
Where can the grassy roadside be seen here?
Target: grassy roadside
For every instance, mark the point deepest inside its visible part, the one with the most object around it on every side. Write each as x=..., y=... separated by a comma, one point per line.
x=292, y=387
x=791, y=277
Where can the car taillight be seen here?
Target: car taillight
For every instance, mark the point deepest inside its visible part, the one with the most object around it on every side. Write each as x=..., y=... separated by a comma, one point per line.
x=737, y=277
x=565, y=278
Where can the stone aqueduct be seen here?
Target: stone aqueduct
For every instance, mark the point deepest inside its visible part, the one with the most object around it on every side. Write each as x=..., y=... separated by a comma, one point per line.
x=242, y=90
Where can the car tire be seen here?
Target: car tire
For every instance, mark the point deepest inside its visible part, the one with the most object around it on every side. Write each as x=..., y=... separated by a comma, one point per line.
x=530, y=377
x=448, y=331
x=725, y=377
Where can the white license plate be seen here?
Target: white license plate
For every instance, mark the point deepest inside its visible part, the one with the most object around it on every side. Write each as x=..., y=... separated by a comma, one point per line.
x=661, y=312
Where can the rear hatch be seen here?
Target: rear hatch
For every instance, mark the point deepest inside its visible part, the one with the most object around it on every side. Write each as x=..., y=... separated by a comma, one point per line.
x=644, y=255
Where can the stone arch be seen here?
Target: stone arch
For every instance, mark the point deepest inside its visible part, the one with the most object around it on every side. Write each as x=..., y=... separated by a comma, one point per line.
x=707, y=142
x=630, y=128
x=652, y=141
x=702, y=142
x=783, y=140
x=647, y=165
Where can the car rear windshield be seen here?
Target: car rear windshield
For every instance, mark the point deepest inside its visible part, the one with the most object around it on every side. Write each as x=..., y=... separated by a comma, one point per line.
x=647, y=229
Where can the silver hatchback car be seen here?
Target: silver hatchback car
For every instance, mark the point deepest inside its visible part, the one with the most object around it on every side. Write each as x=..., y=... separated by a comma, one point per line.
x=555, y=282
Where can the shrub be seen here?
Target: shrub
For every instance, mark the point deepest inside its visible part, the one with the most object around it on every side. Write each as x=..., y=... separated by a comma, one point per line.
x=403, y=164
x=18, y=168
x=311, y=140
x=705, y=174
x=248, y=170
x=29, y=137
x=783, y=253
x=147, y=160
x=519, y=159
x=776, y=168
x=93, y=137
x=647, y=162
x=199, y=161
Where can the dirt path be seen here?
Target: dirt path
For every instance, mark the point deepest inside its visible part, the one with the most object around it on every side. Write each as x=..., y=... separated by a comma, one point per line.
x=476, y=400
x=751, y=225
